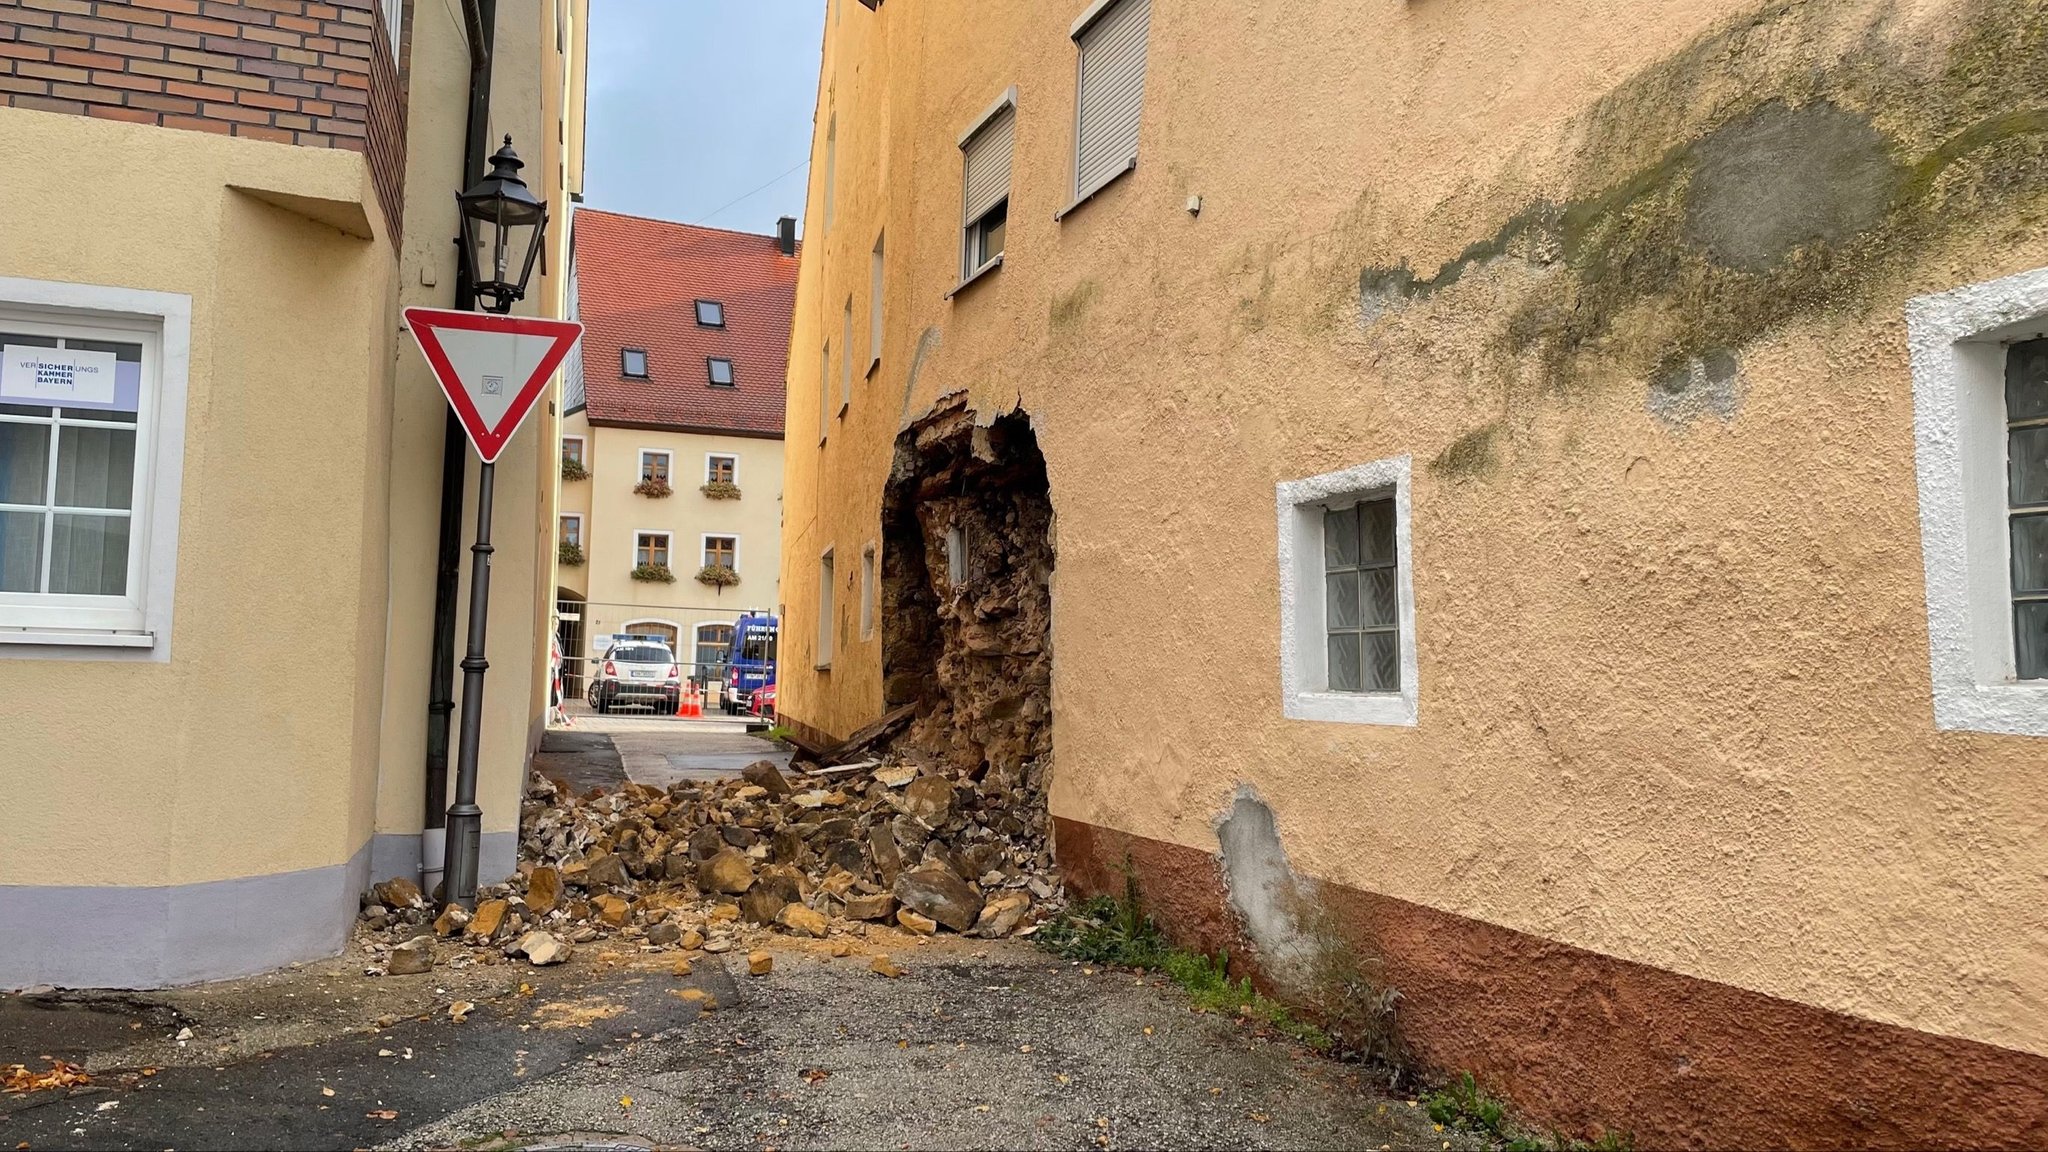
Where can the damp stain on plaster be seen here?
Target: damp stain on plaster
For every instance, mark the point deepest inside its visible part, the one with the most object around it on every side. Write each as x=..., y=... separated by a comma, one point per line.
x=1470, y=455
x=1067, y=311
x=1787, y=188
x=1686, y=387
x=927, y=343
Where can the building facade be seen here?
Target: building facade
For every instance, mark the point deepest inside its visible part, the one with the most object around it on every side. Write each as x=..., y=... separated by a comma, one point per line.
x=1539, y=501
x=222, y=453
x=671, y=497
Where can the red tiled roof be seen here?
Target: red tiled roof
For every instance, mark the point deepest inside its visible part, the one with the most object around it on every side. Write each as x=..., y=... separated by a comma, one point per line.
x=637, y=284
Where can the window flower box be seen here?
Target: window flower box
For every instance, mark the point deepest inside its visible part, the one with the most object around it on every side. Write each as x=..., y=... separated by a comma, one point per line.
x=718, y=576
x=573, y=470
x=655, y=489
x=569, y=554
x=653, y=574
x=721, y=490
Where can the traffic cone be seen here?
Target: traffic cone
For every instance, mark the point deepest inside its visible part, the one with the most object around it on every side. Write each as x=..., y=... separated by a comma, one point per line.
x=683, y=703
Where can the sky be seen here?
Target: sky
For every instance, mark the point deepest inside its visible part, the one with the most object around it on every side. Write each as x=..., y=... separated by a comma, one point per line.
x=695, y=105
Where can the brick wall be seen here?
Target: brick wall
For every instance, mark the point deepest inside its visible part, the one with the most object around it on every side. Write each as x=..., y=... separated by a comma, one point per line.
x=316, y=74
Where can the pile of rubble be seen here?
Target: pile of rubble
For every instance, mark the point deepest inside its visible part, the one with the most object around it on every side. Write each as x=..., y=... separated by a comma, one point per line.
x=705, y=865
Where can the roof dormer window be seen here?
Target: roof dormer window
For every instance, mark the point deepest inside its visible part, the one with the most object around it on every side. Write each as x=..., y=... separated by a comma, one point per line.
x=710, y=314
x=633, y=363
x=720, y=370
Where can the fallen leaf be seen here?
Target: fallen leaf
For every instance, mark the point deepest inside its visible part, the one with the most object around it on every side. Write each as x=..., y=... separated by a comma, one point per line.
x=460, y=1010
x=386, y=1052
x=1148, y=1029
x=815, y=1075
x=1261, y=1117
x=61, y=1074
x=381, y=1114
x=326, y=1091
x=625, y=1101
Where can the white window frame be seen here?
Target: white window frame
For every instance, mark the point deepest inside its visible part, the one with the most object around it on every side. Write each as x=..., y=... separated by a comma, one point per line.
x=1084, y=192
x=1304, y=672
x=640, y=474
x=972, y=268
x=139, y=628
x=704, y=545
x=394, y=22
x=867, y=592
x=1957, y=342
x=670, y=546
x=582, y=449
x=821, y=660
x=560, y=524
x=875, y=304
x=709, y=457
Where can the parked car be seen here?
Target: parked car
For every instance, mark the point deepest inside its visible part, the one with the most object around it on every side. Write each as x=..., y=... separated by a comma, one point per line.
x=636, y=672
x=763, y=702
x=754, y=643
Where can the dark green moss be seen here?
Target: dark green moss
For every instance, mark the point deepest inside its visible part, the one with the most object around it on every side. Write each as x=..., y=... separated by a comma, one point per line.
x=1469, y=455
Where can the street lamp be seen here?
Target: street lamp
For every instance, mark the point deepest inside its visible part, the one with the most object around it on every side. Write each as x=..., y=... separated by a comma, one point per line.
x=500, y=210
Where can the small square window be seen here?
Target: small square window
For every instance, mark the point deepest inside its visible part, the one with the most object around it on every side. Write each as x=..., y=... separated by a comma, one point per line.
x=572, y=450
x=710, y=313
x=721, y=371
x=650, y=549
x=721, y=551
x=633, y=362
x=654, y=466
x=1347, y=627
x=721, y=469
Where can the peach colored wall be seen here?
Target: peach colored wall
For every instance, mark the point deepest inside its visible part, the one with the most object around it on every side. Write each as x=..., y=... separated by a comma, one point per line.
x=1674, y=700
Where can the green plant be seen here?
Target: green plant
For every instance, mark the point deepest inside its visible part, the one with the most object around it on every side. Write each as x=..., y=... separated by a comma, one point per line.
x=654, y=487
x=721, y=490
x=573, y=470
x=569, y=553
x=1210, y=988
x=718, y=576
x=779, y=733
x=653, y=574
x=1462, y=1103
x=1558, y=1142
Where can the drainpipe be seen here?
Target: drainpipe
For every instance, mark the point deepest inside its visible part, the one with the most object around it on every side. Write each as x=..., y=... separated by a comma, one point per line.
x=480, y=22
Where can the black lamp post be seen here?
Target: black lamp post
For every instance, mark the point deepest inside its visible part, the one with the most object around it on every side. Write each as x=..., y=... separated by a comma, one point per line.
x=501, y=211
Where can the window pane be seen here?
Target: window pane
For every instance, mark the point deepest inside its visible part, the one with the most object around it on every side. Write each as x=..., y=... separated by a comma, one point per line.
x=1346, y=674
x=1340, y=602
x=1382, y=663
x=1380, y=606
x=710, y=312
x=2030, y=553
x=24, y=463
x=2027, y=465
x=95, y=467
x=2026, y=380
x=89, y=555
x=2030, y=639
x=1378, y=530
x=21, y=551
x=1340, y=539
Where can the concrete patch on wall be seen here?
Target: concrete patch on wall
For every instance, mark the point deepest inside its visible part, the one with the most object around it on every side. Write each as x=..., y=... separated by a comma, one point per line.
x=1687, y=387
x=1782, y=177
x=1265, y=893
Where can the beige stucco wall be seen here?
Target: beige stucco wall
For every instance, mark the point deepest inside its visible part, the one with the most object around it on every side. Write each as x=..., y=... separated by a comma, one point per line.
x=574, y=496
x=1674, y=698
x=252, y=750
x=616, y=513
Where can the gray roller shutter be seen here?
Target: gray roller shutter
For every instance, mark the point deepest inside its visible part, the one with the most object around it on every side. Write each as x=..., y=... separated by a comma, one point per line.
x=988, y=166
x=1112, y=93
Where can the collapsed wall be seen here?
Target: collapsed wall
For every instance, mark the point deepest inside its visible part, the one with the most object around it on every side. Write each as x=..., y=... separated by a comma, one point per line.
x=967, y=562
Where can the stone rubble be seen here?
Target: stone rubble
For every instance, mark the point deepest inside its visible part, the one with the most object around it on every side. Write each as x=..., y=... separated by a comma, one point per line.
x=714, y=866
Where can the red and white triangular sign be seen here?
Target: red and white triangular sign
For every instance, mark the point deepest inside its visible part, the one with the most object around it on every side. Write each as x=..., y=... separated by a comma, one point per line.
x=492, y=367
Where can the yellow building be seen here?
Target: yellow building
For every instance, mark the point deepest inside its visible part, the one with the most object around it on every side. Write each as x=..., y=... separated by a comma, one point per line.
x=1514, y=496
x=671, y=505
x=219, y=461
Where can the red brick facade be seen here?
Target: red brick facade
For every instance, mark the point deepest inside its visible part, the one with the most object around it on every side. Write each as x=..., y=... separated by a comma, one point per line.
x=317, y=73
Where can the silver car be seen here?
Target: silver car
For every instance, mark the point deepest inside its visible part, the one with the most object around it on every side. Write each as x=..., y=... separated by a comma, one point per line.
x=636, y=672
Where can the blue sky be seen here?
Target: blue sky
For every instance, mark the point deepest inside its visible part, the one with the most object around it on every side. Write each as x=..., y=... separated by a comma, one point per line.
x=697, y=103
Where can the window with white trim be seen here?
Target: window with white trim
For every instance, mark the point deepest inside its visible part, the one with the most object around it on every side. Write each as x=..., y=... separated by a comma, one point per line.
x=985, y=151
x=90, y=454
x=875, y=305
x=572, y=529
x=1980, y=416
x=722, y=552
x=654, y=465
x=720, y=468
x=651, y=548
x=846, y=359
x=867, y=592
x=1109, y=91
x=572, y=450
x=1347, y=628
x=823, y=657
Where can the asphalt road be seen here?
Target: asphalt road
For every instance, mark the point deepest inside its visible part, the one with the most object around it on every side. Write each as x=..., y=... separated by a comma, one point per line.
x=974, y=1046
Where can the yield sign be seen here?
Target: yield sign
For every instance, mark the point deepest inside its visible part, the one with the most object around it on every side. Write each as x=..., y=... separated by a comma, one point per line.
x=492, y=367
